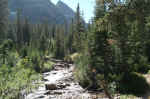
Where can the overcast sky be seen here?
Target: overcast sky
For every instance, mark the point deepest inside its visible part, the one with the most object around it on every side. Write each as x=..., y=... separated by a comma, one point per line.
x=86, y=6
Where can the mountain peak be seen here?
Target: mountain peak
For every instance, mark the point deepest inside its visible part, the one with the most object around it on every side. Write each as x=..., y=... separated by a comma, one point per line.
x=66, y=10
x=61, y=3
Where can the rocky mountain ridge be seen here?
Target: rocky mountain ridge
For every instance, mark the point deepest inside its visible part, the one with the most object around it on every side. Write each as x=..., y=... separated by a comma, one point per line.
x=39, y=10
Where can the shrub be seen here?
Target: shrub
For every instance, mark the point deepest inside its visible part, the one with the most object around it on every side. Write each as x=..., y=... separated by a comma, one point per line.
x=75, y=56
x=36, y=60
x=134, y=83
x=15, y=79
x=47, y=67
x=143, y=65
x=82, y=71
x=12, y=58
x=72, y=58
x=68, y=59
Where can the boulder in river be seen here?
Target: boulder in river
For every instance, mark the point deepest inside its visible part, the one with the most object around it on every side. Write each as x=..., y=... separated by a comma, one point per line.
x=41, y=97
x=51, y=87
x=62, y=86
x=44, y=79
x=57, y=93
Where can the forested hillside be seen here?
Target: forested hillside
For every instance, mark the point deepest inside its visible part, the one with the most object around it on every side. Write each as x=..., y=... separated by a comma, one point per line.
x=38, y=11
x=109, y=57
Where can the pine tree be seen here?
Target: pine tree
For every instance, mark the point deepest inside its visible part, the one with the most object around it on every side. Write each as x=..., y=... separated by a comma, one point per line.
x=129, y=35
x=3, y=18
x=53, y=31
x=78, y=31
x=19, y=29
x=100, y=9
x=69, y=39
x=59, y=43
x=42, y=44
x=26, y=32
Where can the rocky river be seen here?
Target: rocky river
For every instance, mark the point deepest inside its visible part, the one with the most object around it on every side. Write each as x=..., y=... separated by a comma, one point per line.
x=60, y=84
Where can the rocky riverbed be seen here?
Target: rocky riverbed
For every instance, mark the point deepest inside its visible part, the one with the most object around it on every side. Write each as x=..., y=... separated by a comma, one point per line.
x=59, y=84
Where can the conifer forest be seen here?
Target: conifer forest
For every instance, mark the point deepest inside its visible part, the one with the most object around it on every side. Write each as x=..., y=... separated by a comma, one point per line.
x=69, y=58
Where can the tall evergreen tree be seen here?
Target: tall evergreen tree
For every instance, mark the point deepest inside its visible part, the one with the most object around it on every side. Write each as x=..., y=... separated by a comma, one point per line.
x=69, y=41
x=59, y=43
x=26, y=32
x=3, y=18
x=100, y=9
x=78, y=30
x=19, y=29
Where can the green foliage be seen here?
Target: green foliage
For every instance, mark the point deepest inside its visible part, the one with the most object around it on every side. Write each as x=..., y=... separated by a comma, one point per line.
x=100, y=52
x=3, y=19
x=42, y=44
x=47, y=67
x=118, y=45
x=59, y=45
x=16, y=79
x=18, y=70
x=36, y=60
x=79, y=31
x=99, y=9
x=5, y=47
x=26, y=32
x=73, y=57
x=12, y=59
x=143, y=66
x=82, y=71
x=24, y=56
x=107, y=56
